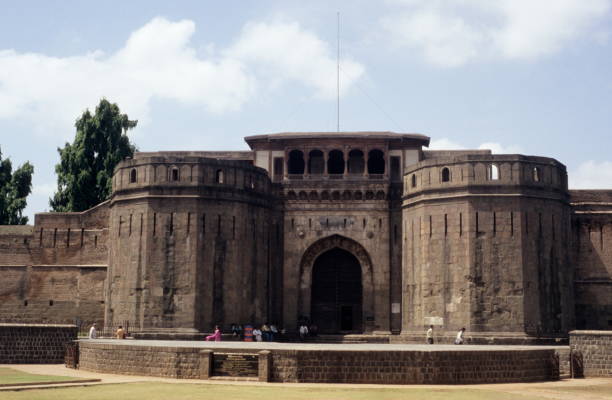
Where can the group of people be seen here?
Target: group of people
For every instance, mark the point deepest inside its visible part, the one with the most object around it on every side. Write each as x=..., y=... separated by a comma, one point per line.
x=430, y=335
x=266, y=333
x=120, y=333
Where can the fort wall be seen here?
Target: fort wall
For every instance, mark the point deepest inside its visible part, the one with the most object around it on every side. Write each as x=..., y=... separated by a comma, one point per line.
x=592, y=238
x=192, y=244
x=482, y=245
x=55, y=270
x=592, y=350
x=34, y=343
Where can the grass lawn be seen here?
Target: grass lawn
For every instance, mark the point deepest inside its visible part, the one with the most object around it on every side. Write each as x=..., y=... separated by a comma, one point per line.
x=12, y=376
x=604, y=391
x=186, y=391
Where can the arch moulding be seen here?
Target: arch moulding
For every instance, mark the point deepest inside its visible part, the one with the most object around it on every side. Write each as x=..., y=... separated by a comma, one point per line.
x=367, y=280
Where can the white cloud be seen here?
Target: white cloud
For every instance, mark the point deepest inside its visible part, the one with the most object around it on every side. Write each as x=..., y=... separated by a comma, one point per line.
x=445, y=144
x=453, y=33
x=159, y=61
x=287, y=52
x=497, y=148
x=591, y=175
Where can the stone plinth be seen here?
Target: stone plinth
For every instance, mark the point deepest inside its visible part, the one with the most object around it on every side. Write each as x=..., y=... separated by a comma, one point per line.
x=325, y=363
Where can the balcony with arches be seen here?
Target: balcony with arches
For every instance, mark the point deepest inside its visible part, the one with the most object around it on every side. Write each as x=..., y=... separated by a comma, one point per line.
x=336, y=164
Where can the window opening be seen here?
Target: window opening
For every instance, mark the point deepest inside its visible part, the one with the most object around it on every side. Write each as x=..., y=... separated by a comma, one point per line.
x=445, y=175
x=296, y=162
x=278, y=168
x=356, y=162
x=133, y=175
x=175, y=174
x=376, y=162
x=219, y=176
x=316, y=162
x=536, y=174
x=335, y=163
x=413, y=179
x=493, y=172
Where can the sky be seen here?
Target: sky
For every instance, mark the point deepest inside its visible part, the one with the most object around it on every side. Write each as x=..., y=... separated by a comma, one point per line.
x=515, y=76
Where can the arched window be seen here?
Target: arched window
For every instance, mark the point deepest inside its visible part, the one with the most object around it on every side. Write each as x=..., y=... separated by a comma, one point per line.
x=335, y=163
x=296, y=162
x=174, y=174
x=413, y=180
x=133, y=175
x=445, y=175
x=316, y=162
x=356, y=163
x=219, y=176
x=493, y=172
x=536, y=174
x=376, y=162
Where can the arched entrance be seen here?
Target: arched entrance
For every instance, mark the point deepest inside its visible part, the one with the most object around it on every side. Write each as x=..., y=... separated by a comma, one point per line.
x=336, y=299
x=350, y=261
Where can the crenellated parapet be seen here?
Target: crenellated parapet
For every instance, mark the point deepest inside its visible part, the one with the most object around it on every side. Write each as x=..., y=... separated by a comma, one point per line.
x=481, y=172
x=189, y=176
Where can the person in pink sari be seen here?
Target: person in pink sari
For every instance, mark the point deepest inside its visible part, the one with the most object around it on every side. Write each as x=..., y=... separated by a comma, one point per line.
x=215, y=336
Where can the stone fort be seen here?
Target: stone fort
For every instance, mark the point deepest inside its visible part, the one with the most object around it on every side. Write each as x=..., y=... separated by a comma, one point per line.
x=360, y=232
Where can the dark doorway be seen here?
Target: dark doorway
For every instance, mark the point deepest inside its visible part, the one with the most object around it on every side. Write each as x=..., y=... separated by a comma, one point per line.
x=336, y=300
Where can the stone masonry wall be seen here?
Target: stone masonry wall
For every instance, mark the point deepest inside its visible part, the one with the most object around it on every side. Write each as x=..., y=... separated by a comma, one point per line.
x=319, y=366
x=595, y=349
x=483, y=246
x=414, y=367
x=34, y=343
x=592, y=254
x=168, y=362
x=54, y=271
x=192, y=244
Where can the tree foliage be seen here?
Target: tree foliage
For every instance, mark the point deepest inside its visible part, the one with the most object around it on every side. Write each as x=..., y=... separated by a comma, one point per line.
x=84, y=174
x=15, y=186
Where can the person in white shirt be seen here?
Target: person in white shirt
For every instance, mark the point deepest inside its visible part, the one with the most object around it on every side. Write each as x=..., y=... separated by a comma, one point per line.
x=459, y=338
x=93, y=333
x=303, y=331
x=257, y=334
x=430, y=339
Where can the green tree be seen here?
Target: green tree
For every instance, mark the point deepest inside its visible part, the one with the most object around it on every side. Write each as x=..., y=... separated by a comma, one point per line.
x=14, y=189
x=85, y=171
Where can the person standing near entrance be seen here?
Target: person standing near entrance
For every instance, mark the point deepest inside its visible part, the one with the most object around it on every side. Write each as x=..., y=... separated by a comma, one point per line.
x=303, y=331
x=459, y=338
x=120, y=334
x=257, y=334
x=430, y=337
x=93, y=333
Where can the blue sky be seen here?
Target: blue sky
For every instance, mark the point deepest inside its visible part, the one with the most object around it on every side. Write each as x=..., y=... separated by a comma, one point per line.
x=517, y=76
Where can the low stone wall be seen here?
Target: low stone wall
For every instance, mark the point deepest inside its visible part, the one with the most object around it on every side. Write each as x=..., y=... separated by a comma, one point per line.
x=34, y=343
x=591, y=353
x=415, y=367
x=169, y=362
x=461, y=366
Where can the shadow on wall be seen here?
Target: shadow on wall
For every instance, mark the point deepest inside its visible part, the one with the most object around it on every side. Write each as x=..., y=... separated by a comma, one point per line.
x=593, y=279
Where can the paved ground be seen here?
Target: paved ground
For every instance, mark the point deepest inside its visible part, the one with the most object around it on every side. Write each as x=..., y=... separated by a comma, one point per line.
x=318, y=346
x=549, y=390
